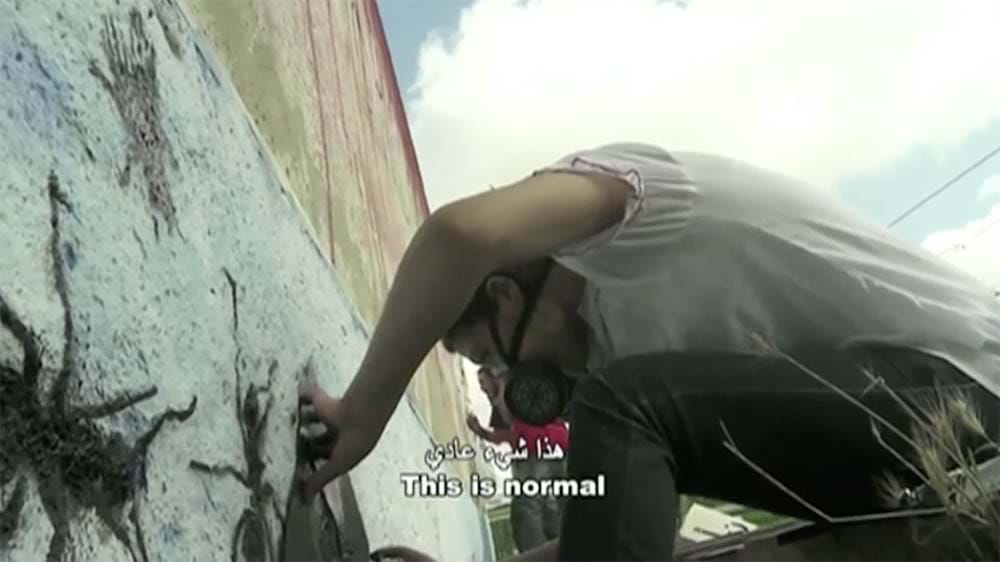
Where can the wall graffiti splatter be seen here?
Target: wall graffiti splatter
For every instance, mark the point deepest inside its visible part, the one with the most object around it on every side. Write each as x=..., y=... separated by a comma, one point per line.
x=75, y=465
x=167, y=14
x=252, y=535
x=134, y=87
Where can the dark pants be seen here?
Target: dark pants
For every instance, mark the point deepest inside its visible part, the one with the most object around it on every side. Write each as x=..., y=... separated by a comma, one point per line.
x=653, y=425
x=535, y=520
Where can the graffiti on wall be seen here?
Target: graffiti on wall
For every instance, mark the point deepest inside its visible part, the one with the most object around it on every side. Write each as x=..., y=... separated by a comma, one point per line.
x=253, y=536
x=54, y=441
x=133, y=86
x=107, y=336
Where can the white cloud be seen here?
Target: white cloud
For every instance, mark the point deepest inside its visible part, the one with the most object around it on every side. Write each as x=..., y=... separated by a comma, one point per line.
x=817, y=89
x=990, y=188
x=972, y=247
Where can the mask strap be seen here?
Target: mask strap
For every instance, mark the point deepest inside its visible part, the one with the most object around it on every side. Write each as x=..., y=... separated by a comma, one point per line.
x=495, y=334
x=532, y=295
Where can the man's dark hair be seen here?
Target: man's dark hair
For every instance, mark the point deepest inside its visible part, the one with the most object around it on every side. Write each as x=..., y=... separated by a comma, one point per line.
x=482, y=306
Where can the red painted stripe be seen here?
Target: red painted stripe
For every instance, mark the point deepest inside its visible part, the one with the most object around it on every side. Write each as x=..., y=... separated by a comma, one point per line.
x=397, y=105
x=355, y=145
x=322, y=129
x=338, y=95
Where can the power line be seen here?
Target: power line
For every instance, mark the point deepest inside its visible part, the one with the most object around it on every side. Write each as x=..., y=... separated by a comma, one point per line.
x=944, y=187
x=970, y=237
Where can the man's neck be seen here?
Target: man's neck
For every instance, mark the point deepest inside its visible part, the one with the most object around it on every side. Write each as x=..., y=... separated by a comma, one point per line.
x=565, y=287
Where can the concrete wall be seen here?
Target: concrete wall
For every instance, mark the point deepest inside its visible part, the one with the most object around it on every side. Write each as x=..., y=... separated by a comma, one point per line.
x=317, y=79
x=154, y=268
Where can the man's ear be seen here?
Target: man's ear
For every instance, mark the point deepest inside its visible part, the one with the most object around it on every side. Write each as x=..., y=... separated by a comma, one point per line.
x=502, y=288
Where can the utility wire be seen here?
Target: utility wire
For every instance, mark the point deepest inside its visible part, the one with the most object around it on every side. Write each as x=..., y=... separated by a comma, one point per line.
x=969, y=238
x=944, y=187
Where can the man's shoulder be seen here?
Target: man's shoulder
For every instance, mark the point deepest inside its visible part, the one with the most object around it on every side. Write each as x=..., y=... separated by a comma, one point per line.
x=619, y=150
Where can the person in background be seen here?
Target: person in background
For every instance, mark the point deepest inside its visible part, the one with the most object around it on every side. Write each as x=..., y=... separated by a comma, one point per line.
x=534, y=520
x=489, y=384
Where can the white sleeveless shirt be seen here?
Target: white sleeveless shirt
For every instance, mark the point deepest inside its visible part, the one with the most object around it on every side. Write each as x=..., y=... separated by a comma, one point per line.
x=712, y=251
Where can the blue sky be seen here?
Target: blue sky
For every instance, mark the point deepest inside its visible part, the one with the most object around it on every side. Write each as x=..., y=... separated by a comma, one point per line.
x=918, y=173
x=407, y=24
x=950, y=131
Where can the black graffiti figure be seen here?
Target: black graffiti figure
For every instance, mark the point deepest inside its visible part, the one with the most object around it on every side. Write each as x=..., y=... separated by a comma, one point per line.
x=252, y=535
x=75, y=465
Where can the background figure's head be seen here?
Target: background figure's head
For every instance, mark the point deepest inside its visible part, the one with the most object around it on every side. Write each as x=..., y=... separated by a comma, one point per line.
x=489, y=383
x=503, y=297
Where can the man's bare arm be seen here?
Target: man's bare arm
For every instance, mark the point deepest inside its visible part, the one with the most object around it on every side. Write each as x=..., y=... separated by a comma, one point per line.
x=452, y=252
x=498, y=436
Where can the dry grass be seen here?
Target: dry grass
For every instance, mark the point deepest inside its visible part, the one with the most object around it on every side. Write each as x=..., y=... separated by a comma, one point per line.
x=946, y=442
x=949, y=442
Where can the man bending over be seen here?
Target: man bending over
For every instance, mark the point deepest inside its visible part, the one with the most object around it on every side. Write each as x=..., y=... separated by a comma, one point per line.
x=689, y=297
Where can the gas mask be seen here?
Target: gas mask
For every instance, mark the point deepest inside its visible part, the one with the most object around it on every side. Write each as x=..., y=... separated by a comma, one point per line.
x=537, y=391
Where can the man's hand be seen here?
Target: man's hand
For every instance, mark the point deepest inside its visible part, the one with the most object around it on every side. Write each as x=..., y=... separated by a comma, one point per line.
x=548, y=552
x=346, y=437
x=473, y=423
x=404, y=553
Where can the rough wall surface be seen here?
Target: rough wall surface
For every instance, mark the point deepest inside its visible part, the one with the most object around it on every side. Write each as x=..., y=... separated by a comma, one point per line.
x=317, y=79
x=155, y=273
